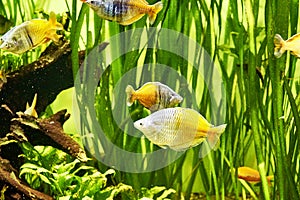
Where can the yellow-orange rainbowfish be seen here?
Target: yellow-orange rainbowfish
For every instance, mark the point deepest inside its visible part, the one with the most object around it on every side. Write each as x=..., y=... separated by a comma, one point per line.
x=153, y=96
x=251, y=175
x=292, y=44
x=125, y=12
x=179, y=129
x=30, y=34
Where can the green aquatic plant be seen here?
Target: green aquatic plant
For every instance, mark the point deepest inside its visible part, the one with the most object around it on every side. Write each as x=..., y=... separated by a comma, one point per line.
x=261, y=103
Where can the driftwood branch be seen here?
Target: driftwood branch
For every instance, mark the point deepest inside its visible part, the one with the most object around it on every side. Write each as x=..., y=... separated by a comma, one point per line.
x=15, y=188
x=26, y=128
x=47, y=77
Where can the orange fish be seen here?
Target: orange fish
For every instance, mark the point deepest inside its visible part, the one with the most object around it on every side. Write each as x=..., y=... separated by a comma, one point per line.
x=153, y=96
x=292, y=44
x=125, y=12
x=251, y=175
x=31, y=34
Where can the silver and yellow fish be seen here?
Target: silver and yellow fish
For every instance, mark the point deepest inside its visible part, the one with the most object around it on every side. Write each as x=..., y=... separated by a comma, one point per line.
x=292, y=44
x=153, y=96
x=30, y=34
x=179, y=129
x=125, y=12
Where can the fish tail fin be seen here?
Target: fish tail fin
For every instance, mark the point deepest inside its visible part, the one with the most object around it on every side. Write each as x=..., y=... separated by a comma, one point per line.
x=156, y=8
x=129, y=91
x=54, y=23
x=279, y=44
x=213, y=135
x=53, y=27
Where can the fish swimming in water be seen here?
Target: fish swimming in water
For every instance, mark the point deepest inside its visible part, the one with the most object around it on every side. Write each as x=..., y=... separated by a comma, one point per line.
x=31, y=34
x=251, y=175
x=179, y=128
x=292, y=44
x=124, y=12
x=153, y=96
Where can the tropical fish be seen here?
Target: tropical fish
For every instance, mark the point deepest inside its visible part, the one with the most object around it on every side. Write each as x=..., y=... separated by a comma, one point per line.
x=125, y=12
x=179, y=128
x=31, y=34
x=292, y=44
x=251, y=175
x=154, y=96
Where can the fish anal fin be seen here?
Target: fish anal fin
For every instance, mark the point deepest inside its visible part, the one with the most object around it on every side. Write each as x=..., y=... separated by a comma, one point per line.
x=131, y=20
x=53, y=36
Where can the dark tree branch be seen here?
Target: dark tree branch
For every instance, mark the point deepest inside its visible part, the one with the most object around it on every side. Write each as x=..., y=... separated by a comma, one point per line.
x=47, y=77
x=15, y=188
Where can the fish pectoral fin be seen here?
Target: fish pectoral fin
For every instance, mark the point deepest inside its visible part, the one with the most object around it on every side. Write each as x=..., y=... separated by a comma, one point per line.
x=131, y=20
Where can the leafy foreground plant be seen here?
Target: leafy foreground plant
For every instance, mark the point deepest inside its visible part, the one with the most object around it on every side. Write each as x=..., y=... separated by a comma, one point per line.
x=49, y=170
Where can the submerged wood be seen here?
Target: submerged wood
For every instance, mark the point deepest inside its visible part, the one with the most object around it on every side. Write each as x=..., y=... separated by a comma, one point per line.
x=47, y=77
x=15, y=188
x=26, y=128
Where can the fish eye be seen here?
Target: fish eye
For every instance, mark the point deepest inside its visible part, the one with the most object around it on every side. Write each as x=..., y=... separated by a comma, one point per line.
x=141, y=124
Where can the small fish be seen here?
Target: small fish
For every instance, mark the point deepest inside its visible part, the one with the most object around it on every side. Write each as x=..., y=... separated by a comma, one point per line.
x=251, y=175
x=30, y=34
x=292, y=44
x=153, y=96
x=125, y=12
x=179, y=128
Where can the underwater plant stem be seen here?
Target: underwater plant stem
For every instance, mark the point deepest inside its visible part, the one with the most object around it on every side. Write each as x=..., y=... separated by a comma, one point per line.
x=275, y=72
x=75, y=35
x=253, y=100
